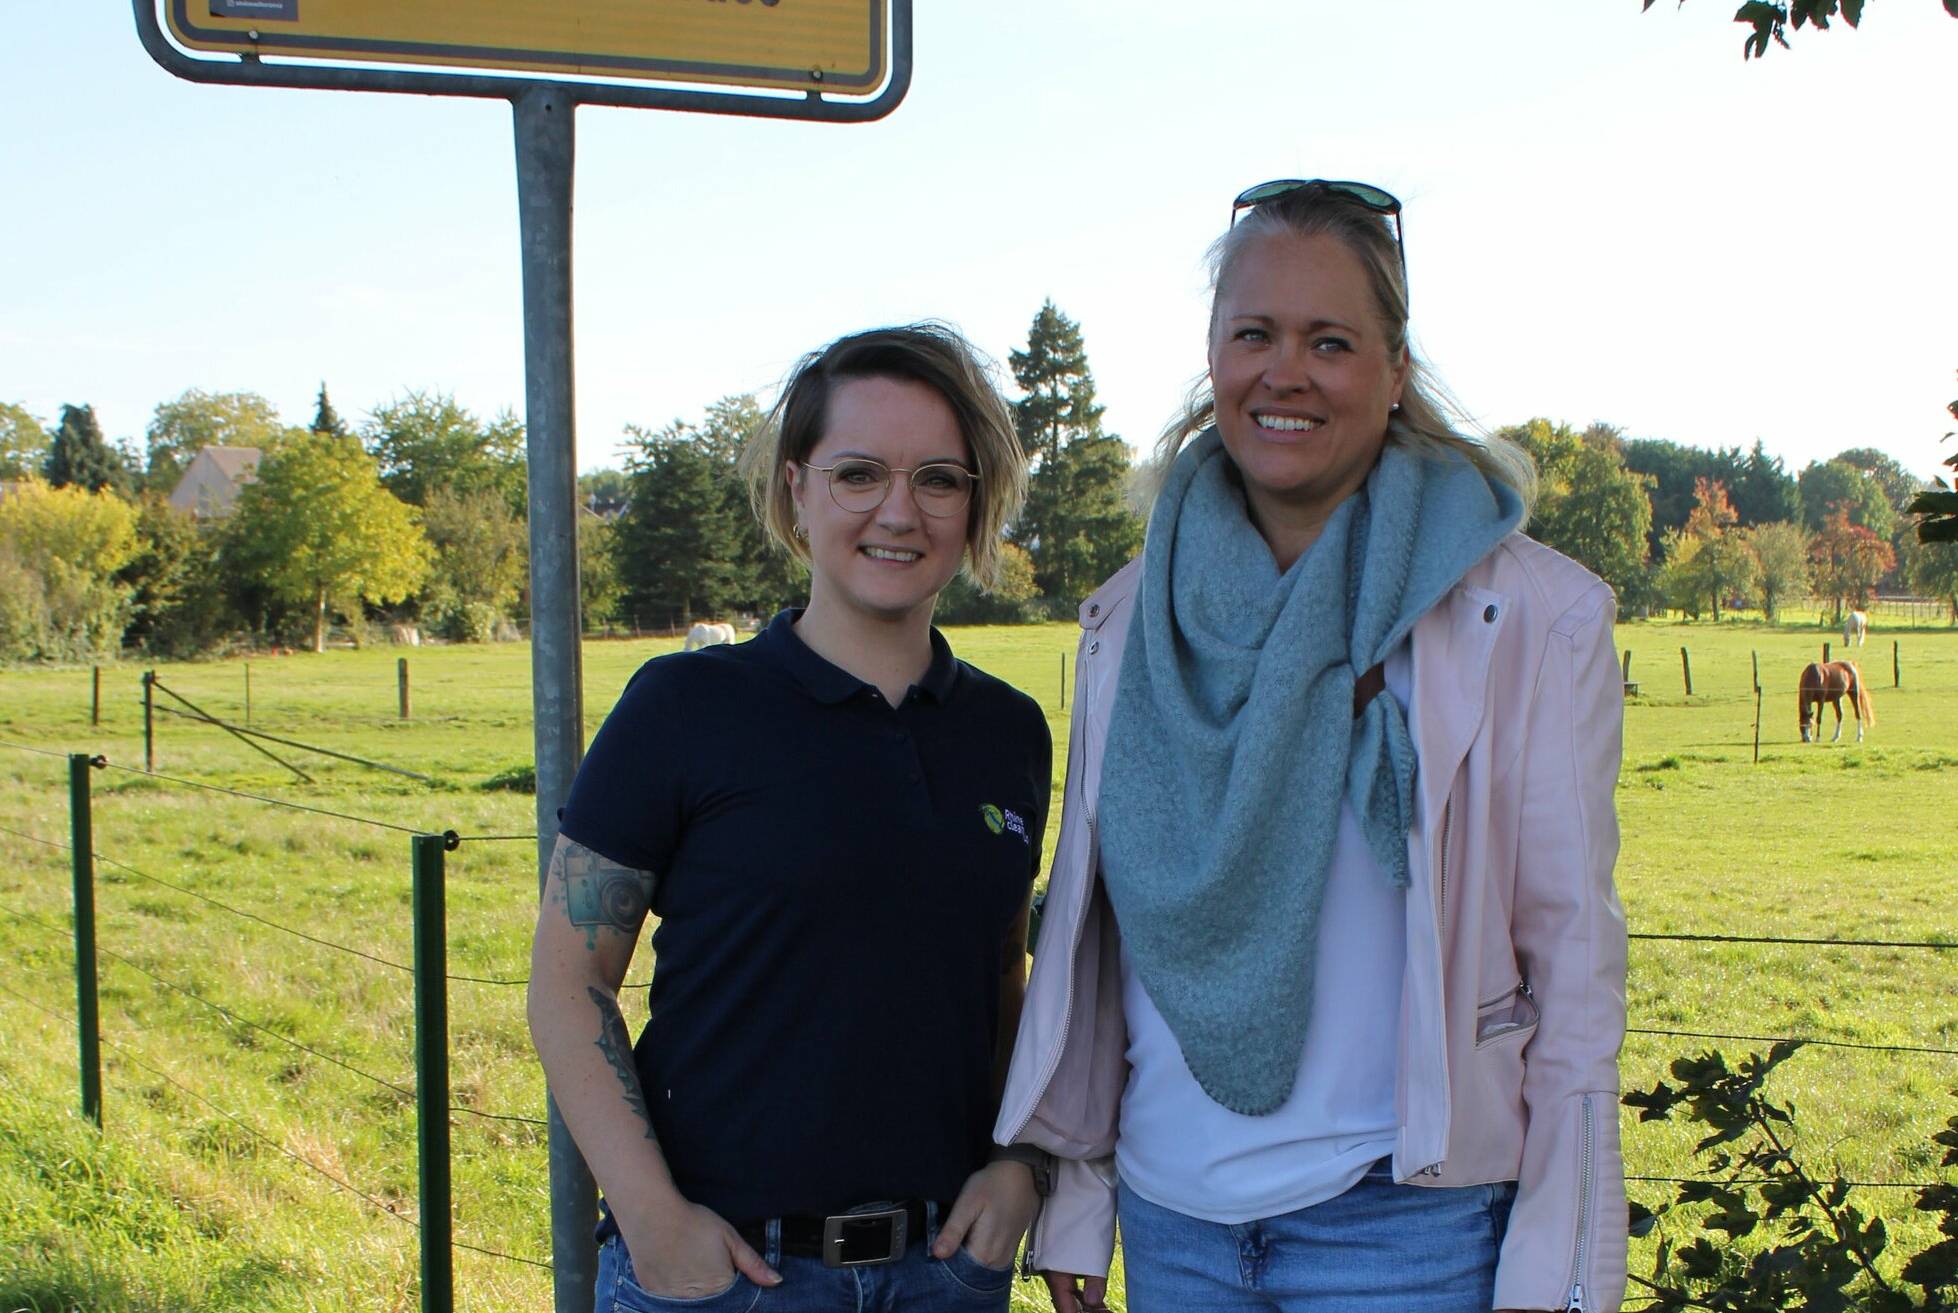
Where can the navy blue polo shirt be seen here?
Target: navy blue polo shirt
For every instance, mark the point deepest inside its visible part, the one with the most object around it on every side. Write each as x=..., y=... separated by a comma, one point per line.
x=835, y=879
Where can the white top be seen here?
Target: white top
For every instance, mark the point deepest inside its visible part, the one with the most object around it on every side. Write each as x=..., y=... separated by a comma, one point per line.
x=1181, y=1149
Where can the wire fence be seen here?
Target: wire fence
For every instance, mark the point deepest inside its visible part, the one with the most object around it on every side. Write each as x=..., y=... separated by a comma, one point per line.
x=452, y=840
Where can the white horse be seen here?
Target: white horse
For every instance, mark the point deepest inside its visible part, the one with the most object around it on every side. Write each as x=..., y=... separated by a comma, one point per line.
x=706, y=634
x=1855, y=628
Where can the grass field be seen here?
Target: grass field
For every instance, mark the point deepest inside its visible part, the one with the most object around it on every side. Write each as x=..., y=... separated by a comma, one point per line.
x=209, y=1186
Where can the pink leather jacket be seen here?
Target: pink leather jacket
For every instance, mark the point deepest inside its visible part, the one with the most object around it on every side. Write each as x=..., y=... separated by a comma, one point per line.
x=1515, y=979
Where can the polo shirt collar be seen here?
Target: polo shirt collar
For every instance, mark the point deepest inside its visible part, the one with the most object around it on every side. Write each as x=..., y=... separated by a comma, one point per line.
x=829, y=683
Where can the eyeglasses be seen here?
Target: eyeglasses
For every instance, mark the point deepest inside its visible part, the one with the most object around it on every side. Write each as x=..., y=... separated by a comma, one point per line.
x=1361, y=193
x=941, y=488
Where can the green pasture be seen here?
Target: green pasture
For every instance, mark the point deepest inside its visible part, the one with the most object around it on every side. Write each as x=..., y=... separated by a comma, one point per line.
x=209, y=1186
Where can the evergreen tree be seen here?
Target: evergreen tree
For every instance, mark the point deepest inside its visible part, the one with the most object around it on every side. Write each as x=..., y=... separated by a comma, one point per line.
x=1077, y=525
x=325, y=418
x=1763, y=490
x=81, y=456
x=678, y=545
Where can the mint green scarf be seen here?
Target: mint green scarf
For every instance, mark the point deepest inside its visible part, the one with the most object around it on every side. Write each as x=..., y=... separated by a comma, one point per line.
x=1233, y=741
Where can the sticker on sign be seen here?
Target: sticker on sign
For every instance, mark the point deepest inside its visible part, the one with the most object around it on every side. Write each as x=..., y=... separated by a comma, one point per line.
x=834, y=46
x=281, y=11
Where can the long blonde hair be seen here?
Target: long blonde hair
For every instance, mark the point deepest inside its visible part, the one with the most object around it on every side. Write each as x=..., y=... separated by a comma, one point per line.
x=1429, y=419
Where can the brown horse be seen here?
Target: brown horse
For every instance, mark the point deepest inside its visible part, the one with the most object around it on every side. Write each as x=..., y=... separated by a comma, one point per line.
x=1830, y=682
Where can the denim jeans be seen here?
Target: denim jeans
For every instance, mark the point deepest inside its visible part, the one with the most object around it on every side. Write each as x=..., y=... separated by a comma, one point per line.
x=915, y=1282
x=1378, y=1248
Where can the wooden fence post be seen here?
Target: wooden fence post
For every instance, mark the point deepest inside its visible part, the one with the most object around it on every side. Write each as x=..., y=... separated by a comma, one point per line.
x=401, y=679
x=1686, y=669
x=1825, y=654
x=149, y=721
x=1896, y=664
x=1757, y=706
x=95, y=698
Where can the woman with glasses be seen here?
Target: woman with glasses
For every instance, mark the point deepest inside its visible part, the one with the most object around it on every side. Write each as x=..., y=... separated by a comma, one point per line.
x=1329, y=988
x=837, y=825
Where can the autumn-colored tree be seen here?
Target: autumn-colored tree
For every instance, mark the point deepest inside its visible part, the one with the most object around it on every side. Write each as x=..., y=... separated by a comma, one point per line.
x=1846, y=560
x=1723, y=565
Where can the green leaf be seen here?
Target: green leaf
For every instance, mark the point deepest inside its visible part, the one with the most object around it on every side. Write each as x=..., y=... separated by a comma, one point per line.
x=1852, y=12
x=1641, y=1218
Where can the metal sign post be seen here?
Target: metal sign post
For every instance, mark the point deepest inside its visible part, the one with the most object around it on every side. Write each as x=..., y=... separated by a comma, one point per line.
x=849, y=59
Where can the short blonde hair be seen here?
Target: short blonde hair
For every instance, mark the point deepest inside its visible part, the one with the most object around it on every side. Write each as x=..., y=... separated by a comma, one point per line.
x=1429, y=420
x=933, y=354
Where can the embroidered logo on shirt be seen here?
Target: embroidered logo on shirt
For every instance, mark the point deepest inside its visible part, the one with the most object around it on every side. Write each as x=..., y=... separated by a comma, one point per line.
x=1000, y=820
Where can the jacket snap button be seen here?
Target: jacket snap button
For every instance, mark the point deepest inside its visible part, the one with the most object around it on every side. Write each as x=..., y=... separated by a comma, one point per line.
x=1489, y=614
x=1094, y=646
x=1095, y=609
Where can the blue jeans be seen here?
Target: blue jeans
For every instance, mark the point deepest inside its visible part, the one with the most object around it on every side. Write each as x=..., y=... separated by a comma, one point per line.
x=915, y=1282
x=1378, y=1248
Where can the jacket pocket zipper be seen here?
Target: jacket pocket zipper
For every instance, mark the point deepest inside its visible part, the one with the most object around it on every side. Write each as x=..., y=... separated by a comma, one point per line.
x=1576, y=1304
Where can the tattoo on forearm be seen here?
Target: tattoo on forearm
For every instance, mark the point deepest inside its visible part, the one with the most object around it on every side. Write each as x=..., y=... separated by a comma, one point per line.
x=616, y=1045
x=597, y=893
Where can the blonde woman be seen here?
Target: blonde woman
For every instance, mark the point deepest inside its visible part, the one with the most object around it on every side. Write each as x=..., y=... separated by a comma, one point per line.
x=1330, y=982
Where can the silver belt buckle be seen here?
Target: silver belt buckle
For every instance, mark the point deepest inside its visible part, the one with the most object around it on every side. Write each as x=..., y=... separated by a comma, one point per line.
x=845, y=1235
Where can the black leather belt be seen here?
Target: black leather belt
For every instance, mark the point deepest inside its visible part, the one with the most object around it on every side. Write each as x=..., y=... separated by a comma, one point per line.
x=877, y=1235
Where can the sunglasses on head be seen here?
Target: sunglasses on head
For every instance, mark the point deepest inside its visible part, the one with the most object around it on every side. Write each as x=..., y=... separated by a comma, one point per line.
x=1363, y=194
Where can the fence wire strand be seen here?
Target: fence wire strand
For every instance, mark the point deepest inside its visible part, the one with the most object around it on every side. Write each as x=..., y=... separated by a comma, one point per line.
x=285, y=929
x=39, y=752
x=1794, y=1039
x=270, y=802
x=31, y=838
x=1763, y=1180
x=1785, y=939
x=381, y=1204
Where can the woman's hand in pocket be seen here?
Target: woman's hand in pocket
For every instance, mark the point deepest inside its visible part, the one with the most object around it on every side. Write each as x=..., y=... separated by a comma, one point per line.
x=992, y=1212
x=690, y=1252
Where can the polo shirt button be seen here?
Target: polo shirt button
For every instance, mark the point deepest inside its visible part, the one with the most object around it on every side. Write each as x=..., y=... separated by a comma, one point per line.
x=1094, y=646
x=1489, y=615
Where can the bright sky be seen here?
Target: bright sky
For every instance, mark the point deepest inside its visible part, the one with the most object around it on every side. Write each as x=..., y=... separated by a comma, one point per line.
x=1609, y=216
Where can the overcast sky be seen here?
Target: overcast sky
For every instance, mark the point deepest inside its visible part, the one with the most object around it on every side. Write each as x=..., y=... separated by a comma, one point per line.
x=1609, y=216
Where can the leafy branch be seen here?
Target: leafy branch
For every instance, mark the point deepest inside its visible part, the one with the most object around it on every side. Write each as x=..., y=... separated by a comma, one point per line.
x=1771, y=21
x=1822, y=1250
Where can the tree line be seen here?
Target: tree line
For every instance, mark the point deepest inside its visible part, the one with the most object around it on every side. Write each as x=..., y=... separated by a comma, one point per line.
x=417, y=517
x=1698, y=531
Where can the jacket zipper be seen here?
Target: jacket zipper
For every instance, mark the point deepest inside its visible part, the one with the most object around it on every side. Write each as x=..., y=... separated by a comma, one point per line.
x=1576, y=1304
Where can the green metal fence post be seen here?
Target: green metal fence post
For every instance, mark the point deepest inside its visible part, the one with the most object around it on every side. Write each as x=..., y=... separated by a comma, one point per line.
x=81, y=829
x=432, y=1073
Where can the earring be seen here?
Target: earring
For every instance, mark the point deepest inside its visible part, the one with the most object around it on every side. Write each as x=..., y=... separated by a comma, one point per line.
x=1394, y=408
x=801, y=530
